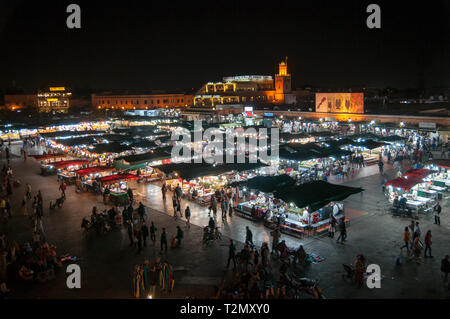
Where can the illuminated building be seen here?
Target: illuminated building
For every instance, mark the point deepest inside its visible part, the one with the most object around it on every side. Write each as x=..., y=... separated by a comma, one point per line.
x=55, y=99
x=140, y=101
x=248, y=89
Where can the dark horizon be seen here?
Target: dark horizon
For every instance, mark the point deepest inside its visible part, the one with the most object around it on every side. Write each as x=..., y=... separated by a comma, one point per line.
x=137, y=45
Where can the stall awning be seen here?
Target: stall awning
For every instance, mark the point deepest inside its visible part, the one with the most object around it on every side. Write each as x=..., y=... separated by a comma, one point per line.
x=392, y=138
x=114, y=147
x=403, y=183
x=419, y=173
x=93, y=170
x=86, y=140
x=124, y=162
x=118, y=177
x=190, y=171
x=63, y=164
x=315, y=194
x=443, y=162
x=266, y=184
x=47, y=156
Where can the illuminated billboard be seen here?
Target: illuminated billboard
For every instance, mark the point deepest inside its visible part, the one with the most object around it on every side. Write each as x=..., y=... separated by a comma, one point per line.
x=340, y=102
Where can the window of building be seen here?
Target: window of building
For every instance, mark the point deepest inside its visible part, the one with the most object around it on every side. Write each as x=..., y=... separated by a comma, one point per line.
x=145, y=101
x=151, y=102
x=181, y=100
x=157, y=101
x=137, y=102
x=165, y=101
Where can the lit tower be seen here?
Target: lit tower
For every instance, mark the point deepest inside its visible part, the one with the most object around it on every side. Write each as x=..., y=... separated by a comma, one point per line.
x=282, y=83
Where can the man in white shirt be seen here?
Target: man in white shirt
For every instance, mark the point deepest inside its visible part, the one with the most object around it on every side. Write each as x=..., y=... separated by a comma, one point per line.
x=335, y=209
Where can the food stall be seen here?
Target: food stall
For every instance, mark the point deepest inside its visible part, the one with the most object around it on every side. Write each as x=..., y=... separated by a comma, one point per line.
x=53, y=167
x=259, y=190
x=65, y=170
x=441, y=178
x=86, y=177
x=308, y=207
x=405, y=189
x=49, y=158
x=118, y=186
x=203, y=178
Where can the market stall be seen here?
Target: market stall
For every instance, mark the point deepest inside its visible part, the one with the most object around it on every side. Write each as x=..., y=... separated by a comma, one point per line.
x=49, y=158
x=65, y=170
x=258, y=205
x=441, y=178
x=86, y=177
x=406, y=196
x=118, y=186
x=306, y=208
x=55, y=167
x=199, y=181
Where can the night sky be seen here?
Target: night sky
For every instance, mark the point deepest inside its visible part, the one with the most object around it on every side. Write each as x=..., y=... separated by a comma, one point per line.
x=170, y=45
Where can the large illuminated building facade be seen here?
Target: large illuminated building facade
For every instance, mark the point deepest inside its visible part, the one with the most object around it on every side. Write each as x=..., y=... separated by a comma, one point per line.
x=140, y=101
x=248, y=89
x=55, y=100
x=51, y=99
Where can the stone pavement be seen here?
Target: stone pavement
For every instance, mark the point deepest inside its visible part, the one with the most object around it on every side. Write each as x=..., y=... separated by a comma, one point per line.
x=107, y=261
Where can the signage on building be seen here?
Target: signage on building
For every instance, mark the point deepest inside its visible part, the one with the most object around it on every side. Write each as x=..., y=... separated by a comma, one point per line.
x=427, y=125
x=268, y=114
x=59, y=88
x=247, y=78
x=340, y=102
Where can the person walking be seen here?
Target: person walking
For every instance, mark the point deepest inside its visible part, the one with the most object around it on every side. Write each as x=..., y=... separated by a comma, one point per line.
x=187, y=214
x=230, y=206
x=214, y=205
x=145, y=233
x=179, y=207
x=360, y=269
x=153, y=230
x=445, y=268
x=130, y=233
x=28, y=194
x=276, y=234
x=141, y=211
x=342, y=231
x=248, y=236
x=380, y=166
x=417, y=249
x=163, y=240
x=130, y=195
x=437, y=211
x=428, y=243
x=332, y=226
x=406, y=239
x=175, y=205
x=164, y=190
x=63, y=188
x=138, y=238
x=232, y=254
x=224, y=208
x=179, y=236
x=178, y=192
